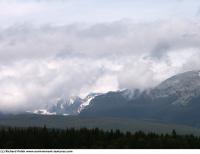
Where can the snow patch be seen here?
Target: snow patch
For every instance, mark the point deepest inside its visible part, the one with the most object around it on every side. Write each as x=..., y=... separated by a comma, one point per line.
x=87, y=101
x=43, y=112
x=65, y=114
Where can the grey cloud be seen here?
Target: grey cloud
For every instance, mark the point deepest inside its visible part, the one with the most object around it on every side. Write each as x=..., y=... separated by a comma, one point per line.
x=198, y=12
x=104, y=30
x=160, y=50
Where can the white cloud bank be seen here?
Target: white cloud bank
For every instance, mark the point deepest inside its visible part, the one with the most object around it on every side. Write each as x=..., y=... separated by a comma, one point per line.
x=39, y=64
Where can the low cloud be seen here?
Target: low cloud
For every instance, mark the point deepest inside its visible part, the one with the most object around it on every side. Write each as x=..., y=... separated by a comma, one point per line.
x=39, y=64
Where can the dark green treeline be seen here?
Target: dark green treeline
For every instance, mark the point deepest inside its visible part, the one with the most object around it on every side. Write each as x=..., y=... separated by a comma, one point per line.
x=32, y=137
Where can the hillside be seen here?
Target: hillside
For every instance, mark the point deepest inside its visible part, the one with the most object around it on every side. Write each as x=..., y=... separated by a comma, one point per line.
x=62, y=122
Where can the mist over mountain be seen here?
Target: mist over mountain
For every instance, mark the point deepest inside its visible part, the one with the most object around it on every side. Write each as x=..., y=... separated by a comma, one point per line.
x=99, y=66
x=53, y=58
x=175, y=100
x=47, y=55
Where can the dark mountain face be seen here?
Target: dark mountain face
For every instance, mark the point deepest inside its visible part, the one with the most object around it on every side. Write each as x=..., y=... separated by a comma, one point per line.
x=120, y=104
x=177, y=99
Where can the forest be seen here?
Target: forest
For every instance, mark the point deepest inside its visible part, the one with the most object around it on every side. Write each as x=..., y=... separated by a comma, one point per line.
x=44, y=138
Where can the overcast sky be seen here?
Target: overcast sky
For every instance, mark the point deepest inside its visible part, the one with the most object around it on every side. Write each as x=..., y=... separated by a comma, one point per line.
x=59, y=48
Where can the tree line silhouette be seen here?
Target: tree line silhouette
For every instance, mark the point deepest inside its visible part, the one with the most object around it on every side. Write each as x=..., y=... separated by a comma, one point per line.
x=43, y=138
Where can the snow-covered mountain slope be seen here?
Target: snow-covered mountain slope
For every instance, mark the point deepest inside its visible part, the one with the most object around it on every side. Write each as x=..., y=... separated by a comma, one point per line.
x=71, y=106
x=183, y=86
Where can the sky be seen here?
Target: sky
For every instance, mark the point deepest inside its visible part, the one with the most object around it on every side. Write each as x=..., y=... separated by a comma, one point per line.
x=51, y=49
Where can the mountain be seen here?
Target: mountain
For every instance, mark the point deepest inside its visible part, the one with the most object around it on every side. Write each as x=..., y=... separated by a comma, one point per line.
x=71, y=106
x=176, y=100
